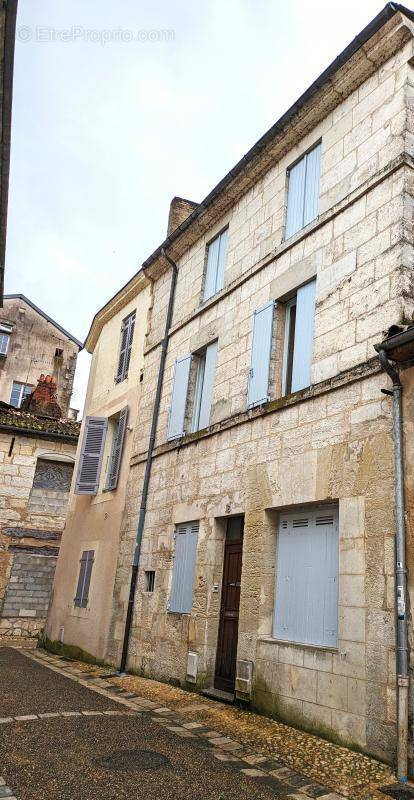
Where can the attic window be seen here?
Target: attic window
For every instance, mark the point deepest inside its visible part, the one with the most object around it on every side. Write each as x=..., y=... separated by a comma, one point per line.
x=58, y=352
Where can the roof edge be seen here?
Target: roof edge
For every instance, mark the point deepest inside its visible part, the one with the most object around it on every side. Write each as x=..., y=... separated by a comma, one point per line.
x=45, y=316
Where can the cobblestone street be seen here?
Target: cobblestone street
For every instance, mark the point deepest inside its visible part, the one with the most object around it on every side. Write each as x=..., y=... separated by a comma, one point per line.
x=67, y=732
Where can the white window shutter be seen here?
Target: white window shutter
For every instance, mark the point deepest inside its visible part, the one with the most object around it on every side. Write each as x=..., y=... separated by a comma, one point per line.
x=303, y=347
x=211, y=268
x=296, y=190
x=258, y=389
x=311, y=200
x=116, y=451
x=208, y=385
x=181, y=597
x=179, y=397
x=90, y=459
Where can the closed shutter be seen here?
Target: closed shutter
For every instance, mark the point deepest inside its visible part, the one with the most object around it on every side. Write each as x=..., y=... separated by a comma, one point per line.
x=179, y=398
x=208, y=385
x=222, y=258
x=303, y=347
x=181, y=598
x=116, y=451
x=90, y=459
x=306, y=604
x=303, y=191
x=84, y=580
x=258, y=389
x=296, y=190
x=313, y=169
x=127, y=335
x=216, y=265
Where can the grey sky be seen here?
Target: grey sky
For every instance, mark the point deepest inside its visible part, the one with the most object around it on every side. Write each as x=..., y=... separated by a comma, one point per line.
x=104, y=134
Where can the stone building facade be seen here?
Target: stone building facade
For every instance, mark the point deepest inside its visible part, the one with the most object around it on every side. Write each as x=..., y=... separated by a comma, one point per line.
x=95, y=511
x=31, y=343
x=267, y=559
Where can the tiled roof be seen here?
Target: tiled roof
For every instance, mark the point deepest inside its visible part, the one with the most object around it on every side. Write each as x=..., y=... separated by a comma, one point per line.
x=30, y=425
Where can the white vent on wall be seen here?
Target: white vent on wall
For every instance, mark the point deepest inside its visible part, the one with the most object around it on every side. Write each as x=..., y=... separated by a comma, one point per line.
x=300, y=523
x=325, y=520
x=192, y=663
x=244, y=677
x=61, y=636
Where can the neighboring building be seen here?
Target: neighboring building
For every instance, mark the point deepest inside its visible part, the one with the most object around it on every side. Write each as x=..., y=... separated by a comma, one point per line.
x=267, y=560
x=90, y=544
x=32, y=343
x=8, y=12
x=37, y=454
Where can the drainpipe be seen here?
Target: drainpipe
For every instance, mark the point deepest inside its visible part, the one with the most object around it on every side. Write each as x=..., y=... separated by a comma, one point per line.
x=148, y=466
x=400, y=572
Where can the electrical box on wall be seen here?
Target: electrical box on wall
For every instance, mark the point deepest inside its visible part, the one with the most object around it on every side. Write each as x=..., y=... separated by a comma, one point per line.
x=192, y=663
x=244, y=678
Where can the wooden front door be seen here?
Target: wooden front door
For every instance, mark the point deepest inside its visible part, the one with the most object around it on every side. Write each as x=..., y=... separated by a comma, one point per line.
x=229, y=613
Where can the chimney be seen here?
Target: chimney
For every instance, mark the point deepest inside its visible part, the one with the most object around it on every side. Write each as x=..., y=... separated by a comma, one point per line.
x=180, y=209
x=42, y=402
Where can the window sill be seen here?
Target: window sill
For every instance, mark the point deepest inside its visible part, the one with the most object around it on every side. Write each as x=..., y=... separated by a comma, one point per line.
x=284, y=642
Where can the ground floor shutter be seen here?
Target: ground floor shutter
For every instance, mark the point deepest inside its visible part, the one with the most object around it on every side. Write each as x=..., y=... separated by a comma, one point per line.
x=185, y=554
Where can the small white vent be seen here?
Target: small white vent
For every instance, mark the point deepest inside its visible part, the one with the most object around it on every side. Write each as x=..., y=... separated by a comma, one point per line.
x=325, y=520
x=300, y=523
x=284, y=524
x=61, y=636
x=244, y=677
x=192, y=663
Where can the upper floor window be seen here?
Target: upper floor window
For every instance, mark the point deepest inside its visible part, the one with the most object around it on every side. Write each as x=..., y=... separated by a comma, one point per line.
x=127, y=335
x=4, y=343
x=266, y=358
x=303, y=191
x=192, y=392
x=92, y=449
x=216, y=264
x=19, y=392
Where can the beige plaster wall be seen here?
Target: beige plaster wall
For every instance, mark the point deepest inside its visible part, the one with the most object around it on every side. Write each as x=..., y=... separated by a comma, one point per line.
x=93, y=522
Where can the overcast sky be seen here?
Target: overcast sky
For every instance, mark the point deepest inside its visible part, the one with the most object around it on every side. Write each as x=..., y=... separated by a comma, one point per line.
x=120, y=106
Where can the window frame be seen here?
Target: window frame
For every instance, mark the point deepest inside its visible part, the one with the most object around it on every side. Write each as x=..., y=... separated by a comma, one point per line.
x=22, y=393
x=4, y=336
x=124, y=352
x=288, y=346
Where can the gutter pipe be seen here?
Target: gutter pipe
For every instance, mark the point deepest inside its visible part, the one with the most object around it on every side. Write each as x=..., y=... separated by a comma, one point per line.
x=400, y=572
x=148, y=466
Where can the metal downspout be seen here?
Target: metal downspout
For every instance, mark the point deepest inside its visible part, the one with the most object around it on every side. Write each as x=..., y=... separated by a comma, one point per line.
x=148, y=465
x=400, y=573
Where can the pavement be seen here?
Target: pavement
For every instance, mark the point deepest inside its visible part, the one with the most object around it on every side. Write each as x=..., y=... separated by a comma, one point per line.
x=66, y=733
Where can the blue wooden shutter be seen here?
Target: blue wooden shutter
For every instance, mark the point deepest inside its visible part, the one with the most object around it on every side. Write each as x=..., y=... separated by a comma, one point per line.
x=84, y=580
x=181, y=597
x=116, y=450
x=303, y=347
x=296, y=190
x=208, y=385
x=179, y=397
x=90, y=459
x=306, y=604
x=258, y=389
x=222, y=258
x=211, y=268
x=303, y=191
x=313, y=169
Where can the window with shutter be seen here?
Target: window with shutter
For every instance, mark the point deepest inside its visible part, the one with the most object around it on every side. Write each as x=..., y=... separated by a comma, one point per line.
x=206, y=368
x=116, y=450
x=127, y=335
x=178, y=405
x=181, y=597
x=84, y=579
x=216, y=265
x=303, y=191
x=297, y=359
x=4, y=343
x=90, y=459
x=258, y=387
x=306, y=597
